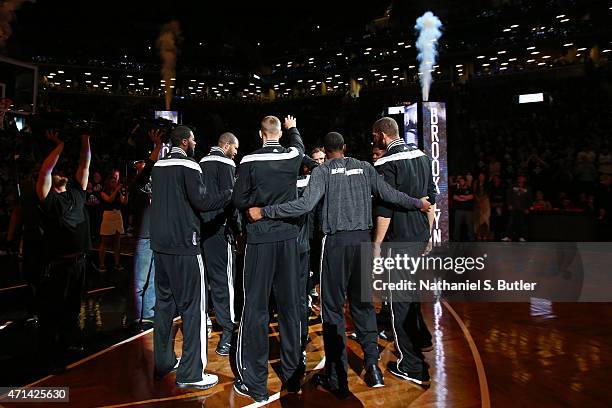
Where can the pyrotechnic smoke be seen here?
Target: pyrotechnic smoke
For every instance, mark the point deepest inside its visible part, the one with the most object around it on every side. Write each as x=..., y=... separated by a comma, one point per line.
x=428, y=26
x=7, y=14
x=167, y=43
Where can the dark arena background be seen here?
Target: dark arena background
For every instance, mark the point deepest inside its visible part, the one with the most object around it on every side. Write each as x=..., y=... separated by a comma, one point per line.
x=509, y=100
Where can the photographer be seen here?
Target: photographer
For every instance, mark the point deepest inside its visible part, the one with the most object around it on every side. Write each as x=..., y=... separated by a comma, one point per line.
x=144, y=266
x=66, y=242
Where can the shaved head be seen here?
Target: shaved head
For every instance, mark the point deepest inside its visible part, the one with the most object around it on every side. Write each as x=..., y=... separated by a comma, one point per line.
x=227, y=137
x=271, y=126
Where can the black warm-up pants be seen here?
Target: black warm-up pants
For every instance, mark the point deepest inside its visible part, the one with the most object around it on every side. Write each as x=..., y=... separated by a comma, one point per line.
x=341, y=277
x=218, y=260
x=409, y=328
x=180, y=288
x=269, y=266
x=303, y=290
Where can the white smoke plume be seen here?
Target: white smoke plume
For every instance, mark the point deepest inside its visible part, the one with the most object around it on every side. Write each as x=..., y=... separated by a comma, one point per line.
x=167, y=43
x=428, y=26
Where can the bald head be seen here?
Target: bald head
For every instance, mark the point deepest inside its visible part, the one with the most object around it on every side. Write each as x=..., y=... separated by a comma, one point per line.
x=229, y=143
x=271, y=127
x=227, y=138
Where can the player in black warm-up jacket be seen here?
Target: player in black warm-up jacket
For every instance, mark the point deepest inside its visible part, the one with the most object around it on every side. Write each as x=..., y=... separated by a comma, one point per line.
x=268, y=176
x=407, y=169
x=218, y=230
x=180, y=286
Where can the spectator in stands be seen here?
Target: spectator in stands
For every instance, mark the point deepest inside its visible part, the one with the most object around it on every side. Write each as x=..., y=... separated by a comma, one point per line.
x=482, y=208
x=463, y=198
x=113, y=197
x=497, y=200
x=519, y=201
x=540, y=203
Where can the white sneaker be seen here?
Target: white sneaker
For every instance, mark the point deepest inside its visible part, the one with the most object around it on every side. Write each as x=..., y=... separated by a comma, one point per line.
x=521, y=239
x=506, y=239
x=208, y=381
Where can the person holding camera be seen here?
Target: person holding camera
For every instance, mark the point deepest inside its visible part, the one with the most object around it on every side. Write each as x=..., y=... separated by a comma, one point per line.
x=113, y=197
x=66, y=242
x=144, y=265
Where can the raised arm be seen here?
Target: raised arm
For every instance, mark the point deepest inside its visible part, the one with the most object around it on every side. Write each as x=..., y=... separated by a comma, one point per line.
x=82, y=174
x=44, y=182
x=295, y=140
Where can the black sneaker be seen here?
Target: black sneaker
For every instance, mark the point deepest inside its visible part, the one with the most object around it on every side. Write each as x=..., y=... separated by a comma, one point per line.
x=243, y=390
x=420, y=378
x=293, y=386
x=321, y=381
x=373, y=376
x=224, y=346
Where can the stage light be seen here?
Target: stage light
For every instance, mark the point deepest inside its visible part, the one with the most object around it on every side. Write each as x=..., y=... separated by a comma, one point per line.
x=359, y=79
x=531, y=48
x=546, y=56
x=458, y=65
x=486, y=65
x=504, y=63
x=514, y=25
x=104, y=77
x=60, y=72
x=535, y=52
x=541, y=63
x=581, y=49
x=88, y=73
x=568, y=44
x=606, y=50
x=88, y=82
x=128, y=76
x=512, y=59
x=501, y=52
x=565, y=20
x=506, y=30
x=561, y=16
x=493, y=59
x=396, y=69
x=400, y=43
